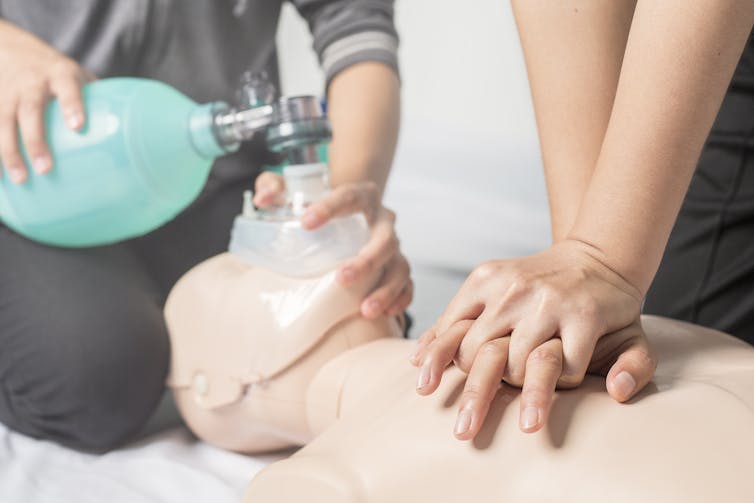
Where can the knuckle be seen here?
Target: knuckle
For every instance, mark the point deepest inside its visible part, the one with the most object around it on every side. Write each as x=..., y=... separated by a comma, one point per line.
x=367, y=263
x=518, y=281
x=493, y=348
x=514, y=376
x=392, y=244
x=589, y=312
x=265, y=178
x=463, y=361
x=643, y=357
x=65, y=67
x=545, y=357
x=484, y=271
x=570, y=380
x=9, y=148
x=536, y=394
x=349, y=197
x=406, y=299
x=550, y=295
x=32, y=101
x=403, y=264
x=472, y=392
x=34, y=145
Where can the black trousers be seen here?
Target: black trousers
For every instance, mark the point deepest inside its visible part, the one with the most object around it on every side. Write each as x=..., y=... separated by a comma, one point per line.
x=83, y=347
x=707, y=273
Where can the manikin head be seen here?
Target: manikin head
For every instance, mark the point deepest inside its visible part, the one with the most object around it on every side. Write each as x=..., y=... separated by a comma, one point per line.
x=251, y=328
x=246, y=343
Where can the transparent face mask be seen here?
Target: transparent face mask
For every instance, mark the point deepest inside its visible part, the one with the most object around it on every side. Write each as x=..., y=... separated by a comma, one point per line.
x=274, y=239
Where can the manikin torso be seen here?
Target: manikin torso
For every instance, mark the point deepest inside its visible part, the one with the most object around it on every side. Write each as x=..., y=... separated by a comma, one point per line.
x=688, y=437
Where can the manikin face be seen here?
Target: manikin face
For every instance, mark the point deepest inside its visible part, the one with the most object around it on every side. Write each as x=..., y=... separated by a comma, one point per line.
x=246, y=343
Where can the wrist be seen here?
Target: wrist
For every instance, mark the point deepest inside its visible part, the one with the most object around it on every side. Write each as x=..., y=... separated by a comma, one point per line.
x=345, y=169
x=596, y=257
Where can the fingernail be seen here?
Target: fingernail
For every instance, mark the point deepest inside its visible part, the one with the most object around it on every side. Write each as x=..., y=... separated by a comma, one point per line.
x=529, y=417
x=464, y=422
x=624, y=384
x=309, y=219
x=74, y=120
x=347, y=275
x=423, y=380
x=17, y=175
x=42, y=164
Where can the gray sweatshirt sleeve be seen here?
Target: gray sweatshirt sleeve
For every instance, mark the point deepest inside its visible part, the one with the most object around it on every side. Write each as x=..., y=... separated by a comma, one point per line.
x=351, y=31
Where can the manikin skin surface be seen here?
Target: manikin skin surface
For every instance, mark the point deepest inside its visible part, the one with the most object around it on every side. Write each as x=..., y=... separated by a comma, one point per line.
x=687, y=437
x=348, y=390
x=246, y=343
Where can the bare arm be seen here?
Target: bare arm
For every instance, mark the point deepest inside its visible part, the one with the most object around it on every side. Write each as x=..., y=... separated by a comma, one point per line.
x=678, y=63
x=364, y=108
x=574, y=51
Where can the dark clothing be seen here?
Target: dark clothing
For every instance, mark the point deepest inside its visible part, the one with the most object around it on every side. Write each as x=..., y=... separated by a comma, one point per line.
x=707, y=273
x=83, y=347
x=84, y=350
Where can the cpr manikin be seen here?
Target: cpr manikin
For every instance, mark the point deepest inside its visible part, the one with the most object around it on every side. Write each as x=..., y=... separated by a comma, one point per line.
x=247, y=340
x=263, y=359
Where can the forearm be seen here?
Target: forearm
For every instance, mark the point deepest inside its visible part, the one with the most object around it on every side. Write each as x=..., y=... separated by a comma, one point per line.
x=678, y=62
x=364, y=109
x=573, y=51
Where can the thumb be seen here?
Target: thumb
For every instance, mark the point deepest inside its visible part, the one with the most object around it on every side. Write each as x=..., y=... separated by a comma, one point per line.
x=269, y=188
x=632, y=370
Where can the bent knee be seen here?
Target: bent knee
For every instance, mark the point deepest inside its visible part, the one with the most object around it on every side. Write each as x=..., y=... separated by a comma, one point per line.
x=91, y=396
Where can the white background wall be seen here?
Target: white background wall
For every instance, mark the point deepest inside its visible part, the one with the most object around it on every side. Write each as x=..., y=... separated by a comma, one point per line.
x=467, y=182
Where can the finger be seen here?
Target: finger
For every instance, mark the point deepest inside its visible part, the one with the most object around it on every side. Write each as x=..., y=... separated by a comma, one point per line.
x=543, y=368
x=528, y=334
x=579, y=341
x=269, y=190
x=9, y=150
x=489, y=325
x=346, y=200
x=632, y=371
x=438, y=356
x=424, y=340
x=86, y=76
x=31, y=122
x=466, y=304
x=382, y=247
x=393, y=282
x=67, y=88
x=481, y=387
x=403, y=301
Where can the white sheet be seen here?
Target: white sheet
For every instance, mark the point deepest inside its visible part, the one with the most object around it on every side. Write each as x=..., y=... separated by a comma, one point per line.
x=169, y=467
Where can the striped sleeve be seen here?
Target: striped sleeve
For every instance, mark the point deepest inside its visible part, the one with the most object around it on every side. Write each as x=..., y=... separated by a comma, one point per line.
x=347, y=32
